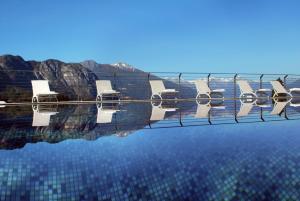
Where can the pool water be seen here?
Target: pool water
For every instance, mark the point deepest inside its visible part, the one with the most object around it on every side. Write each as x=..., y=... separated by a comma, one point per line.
x=72, y=158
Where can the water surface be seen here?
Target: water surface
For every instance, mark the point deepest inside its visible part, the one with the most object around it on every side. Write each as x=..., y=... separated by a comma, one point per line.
x=135, y=158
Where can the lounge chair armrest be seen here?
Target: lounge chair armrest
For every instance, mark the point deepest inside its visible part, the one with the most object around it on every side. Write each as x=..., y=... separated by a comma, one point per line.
x=220, y=107
x=295, y=104
x=49, y=113
x=110, y=92
x=218, y=90
x=109, y=110
x=48, y=93
x=169, y=91
x=264, y=106
x=263, y=90
x=294, y=89
x=170, y=109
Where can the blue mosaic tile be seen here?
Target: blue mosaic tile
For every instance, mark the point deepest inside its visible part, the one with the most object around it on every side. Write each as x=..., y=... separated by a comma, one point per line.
x=227, y=162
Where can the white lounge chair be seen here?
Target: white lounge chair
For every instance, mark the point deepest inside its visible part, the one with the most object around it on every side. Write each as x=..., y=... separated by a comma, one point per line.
x=40, y=88
x=41, y=117
x=104, y=88
x=279, y=89
x=203, y=110
x=203, y=89
x=158, y=89
x=158, y=112
x=247, y=90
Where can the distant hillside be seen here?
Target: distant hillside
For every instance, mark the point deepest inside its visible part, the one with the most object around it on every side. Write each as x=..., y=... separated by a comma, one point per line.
x=131, y=82
x=74, y=81
x=71, y=80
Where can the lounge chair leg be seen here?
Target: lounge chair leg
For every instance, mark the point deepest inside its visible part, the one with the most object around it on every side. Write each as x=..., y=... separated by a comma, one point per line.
x=98, y=98
x=152, y=97
x=275, y=96
x=209, y=97
x=206, y=94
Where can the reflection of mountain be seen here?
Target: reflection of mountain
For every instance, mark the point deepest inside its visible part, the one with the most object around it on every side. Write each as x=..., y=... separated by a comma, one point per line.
x=71, y=122
x=80, y=121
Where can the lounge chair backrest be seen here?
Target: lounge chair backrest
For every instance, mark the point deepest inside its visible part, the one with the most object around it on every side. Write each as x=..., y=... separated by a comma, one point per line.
x=202, y=86
x=278, y=88
x=40, y=87
x=245, y=86
x=103, y=85
x=157, y=86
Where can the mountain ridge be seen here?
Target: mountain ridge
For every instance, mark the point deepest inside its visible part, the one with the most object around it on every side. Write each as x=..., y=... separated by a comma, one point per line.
x=73, y=81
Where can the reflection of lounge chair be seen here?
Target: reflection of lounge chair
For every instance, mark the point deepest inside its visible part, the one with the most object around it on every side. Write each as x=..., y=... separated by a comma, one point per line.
x=247, y=90
x=104, y=88
x=158, y=112
x=41, y=117
x=203, y=110
x=158, y=89
x=246, y=107
x=278, y=107
x=294, y=104
x=105, y=114
x=203, y=89
x=40, y=88
x=2, y=103
x=279, y=89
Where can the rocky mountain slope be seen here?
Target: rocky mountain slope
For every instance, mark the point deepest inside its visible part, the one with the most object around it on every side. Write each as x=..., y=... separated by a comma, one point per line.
x=71, y=80
x=74, y=81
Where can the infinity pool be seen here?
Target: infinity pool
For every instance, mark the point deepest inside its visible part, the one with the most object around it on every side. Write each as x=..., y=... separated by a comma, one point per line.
x=179, y=157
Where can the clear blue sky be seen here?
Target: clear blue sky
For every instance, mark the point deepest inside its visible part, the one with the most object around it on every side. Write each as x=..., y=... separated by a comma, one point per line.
x=157, y=35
